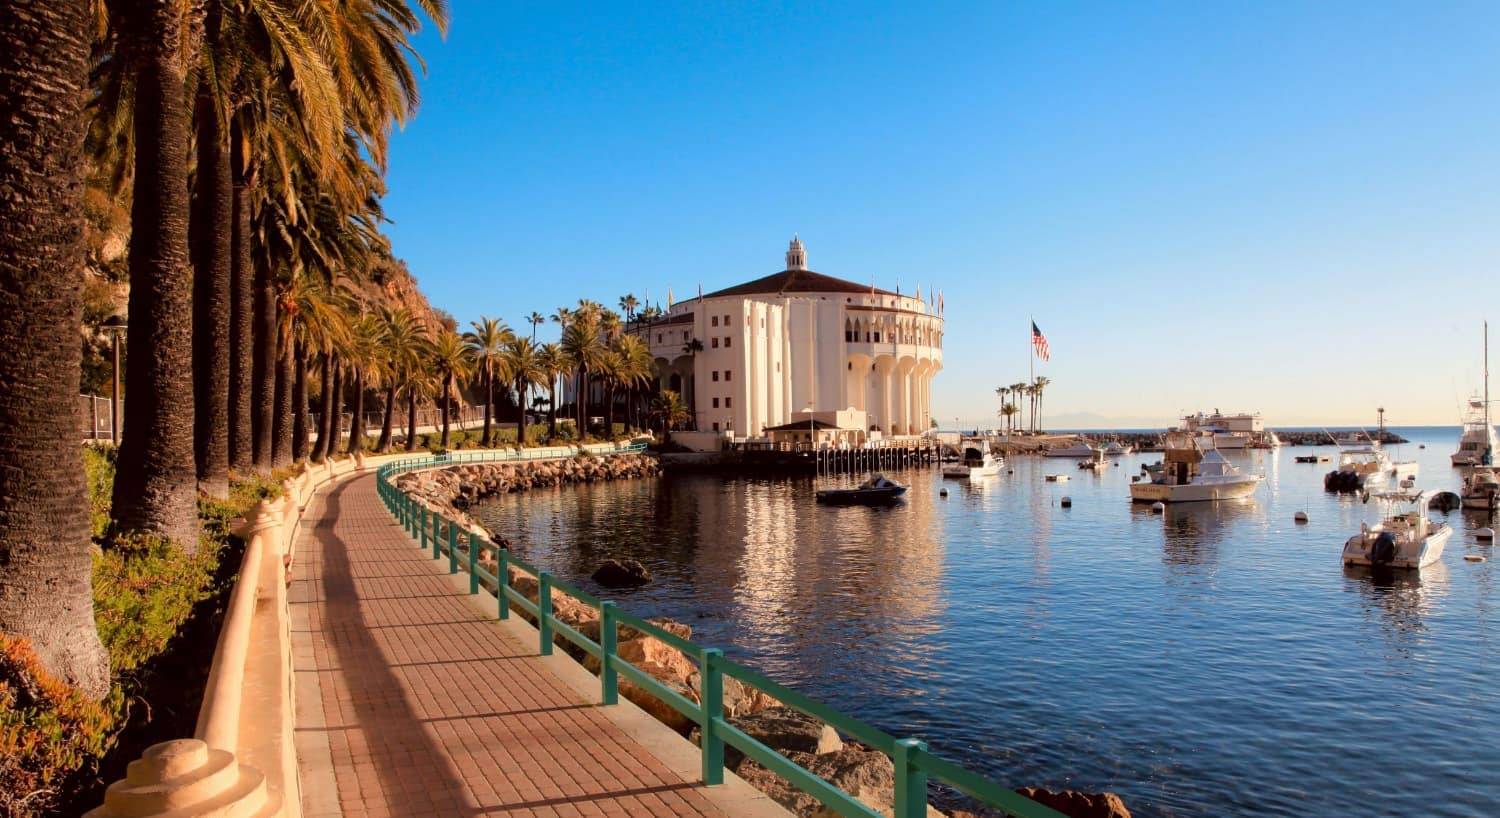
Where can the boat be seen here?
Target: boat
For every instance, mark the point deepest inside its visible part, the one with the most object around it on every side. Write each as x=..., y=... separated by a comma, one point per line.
x=1152, y=469
x=878, y=490
x=976, y=461
x=1057, y=478
x=1097, y=462
x=1482, y=488
x=1311, y=458
x=1082, y=448
x=1235, y=431
x=1405, y=538
x=1192, y=473
x=1117, y=449
x=1477, y=444
x=1359, y=469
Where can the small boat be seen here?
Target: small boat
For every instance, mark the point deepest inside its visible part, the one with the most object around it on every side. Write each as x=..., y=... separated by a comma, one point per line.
x=1097, y=462
x=1359, y=469
x=1117, y=449
x=878, y=490
x=1190, y=473
x=976, y=461
x=1482, y=488
x=1152, y=469
x=1057, y=478
x=1405, y=538
x=1312, y=458
x=1080, y=449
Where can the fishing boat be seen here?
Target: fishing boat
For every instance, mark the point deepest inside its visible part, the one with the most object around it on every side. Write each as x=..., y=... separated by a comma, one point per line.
x=1404, y=538
x=878, y=490
x=975, y=462
x=1080, y=449
x=1192, y=473
x=1117, y=449
x=1097, y=462
x=1477, y=444
x=1311, y=458
x=1482, y=488
x=1360, y=469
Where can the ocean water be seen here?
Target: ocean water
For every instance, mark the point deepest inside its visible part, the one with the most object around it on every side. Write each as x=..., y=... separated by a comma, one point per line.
x=1214, y=660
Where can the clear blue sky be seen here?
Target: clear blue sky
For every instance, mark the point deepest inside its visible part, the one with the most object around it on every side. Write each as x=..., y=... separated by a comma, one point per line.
x=1285, y=207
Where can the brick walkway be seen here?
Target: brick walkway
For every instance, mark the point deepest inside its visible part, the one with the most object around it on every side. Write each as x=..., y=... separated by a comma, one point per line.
x=411, y=703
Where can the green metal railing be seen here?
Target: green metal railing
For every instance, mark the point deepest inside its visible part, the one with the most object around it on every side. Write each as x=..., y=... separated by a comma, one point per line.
x=914, y=764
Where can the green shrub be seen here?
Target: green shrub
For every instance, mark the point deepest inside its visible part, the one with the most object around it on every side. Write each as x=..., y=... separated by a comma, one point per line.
x=47, y=730
x=99, y=471
x=144, y=590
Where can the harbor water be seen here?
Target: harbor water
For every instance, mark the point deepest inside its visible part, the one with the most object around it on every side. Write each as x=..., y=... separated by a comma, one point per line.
x=1212, y=660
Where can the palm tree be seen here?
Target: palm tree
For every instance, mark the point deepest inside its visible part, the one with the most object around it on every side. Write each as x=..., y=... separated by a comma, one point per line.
x=486, y=345
x=1038, y=386
x=554, y=362
x=1003, y=392
x=634, y=370
x=536, y=319
x=210, y=247
x=451, y=362
x=524, y=364
x=316, y=321
x=45, y=594
x=419, y=385
x=628, y=303
x=370, y=369
x=670, y=410
x=402, y=346
x=581, y=343
x=1018, y=389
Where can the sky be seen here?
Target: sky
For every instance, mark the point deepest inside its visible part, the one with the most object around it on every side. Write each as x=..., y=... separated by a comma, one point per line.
x=1289, y=208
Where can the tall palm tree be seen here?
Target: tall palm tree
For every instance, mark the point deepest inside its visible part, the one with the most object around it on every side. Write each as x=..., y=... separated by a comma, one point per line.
x=210, y=247
x=450, y=360
x=668, y=408
x=1003, y=393
x=554, y=363
x=1038, y=387
x=315, y=321
x=628, y=303
x=582, y=343
x=45, y=569
x=1018, y=389
x=419, y=385
x=401, y=343
x=536, y=319
x=155, y=487
x=486, y=344
x=634, y=370
x=368, y=367
x=525, y=367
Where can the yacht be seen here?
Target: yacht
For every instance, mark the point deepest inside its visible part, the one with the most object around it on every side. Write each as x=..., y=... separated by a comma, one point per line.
x=1080, y=449
x=1359, y=469
x=1482, y=488
x=1477, y=445
x=1117, y=449
x=976, y=461
x=1192, y=473
x=1405, y=538
x=1237, y=431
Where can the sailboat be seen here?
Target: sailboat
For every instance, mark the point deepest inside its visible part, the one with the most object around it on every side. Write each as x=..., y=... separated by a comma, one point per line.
x=1477, y=443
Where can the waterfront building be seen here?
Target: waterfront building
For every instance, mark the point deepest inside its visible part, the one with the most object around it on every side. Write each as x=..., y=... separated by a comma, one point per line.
x=768, y=352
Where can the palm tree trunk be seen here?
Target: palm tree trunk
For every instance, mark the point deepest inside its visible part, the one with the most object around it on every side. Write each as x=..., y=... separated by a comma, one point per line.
x=357, y=419
x=156, y=474
x=552, y=407
x=45, y=576
x=281, y=424
x=299, y=405
x=264, y=368
x=447, y=391
x=609, y=411
x=582, y=401
x=411, y=420
x=241, y=313
x=325, y=407
x=209, y=233
x=489, y=401
x=520, y=414
x=333, y=421
x=384, y=444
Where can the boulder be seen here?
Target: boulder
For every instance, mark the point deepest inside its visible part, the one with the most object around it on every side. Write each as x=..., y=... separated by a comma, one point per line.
x=794, y=800
x=626, y=573
x=866, y=774
x=784, y=730
x=1079, y=804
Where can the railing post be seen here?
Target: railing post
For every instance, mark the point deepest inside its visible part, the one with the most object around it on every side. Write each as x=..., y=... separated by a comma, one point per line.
x=422, y=539
x=437, y=544
x=452, y=547
x=711, y=694
x=544, y=611
x=609, y=680
x=502, y=581
x=473, y=542
x=911, y=782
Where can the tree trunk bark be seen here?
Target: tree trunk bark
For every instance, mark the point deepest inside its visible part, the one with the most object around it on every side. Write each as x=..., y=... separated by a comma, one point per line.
x=489, y=402
x=384, y=444
x=156, y=474
x=241, y=313
x=325, y=408
x=45, y=569
x=447, y=390
x=264, y=368
x=299, y=405
x=281, y=426
x=609, y=411
x=411, y=420
x=520, y=415
x=333, y=421
x=210, y=232
x=552, y=408
x=357, y=415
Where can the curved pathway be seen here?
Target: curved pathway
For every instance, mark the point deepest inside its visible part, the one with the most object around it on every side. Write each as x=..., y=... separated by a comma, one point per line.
x=412, y=702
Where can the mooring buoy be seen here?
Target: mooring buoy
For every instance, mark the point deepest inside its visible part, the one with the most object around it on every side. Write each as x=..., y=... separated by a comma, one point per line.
x=1485, y=533
x=1299, y=517
x=1473, y=558
x=942, y=492
x=1067, y=502
x=1158, y=507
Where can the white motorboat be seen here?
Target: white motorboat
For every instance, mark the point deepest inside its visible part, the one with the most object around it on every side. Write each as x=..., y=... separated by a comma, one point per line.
x=1482, y=488
x=1477, y=444
x=1191, y=473
x=1117, y=449
x=1404, y=538
x=1232, y=431
x=1097, y=462
x=975, y=462
x=1360, y=469
x=1080, y=449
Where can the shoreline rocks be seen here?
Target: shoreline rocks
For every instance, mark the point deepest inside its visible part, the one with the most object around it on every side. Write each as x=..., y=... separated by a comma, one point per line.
x=626, y=573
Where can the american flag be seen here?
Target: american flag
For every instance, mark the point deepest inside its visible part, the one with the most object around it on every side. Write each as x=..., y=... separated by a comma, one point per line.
x=1039, y=342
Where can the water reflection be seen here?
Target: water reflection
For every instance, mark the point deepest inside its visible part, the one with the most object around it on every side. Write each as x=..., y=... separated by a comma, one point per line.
x=1400, y=599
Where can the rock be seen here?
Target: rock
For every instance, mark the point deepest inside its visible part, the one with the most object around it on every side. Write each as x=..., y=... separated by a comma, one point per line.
x=784, y=730
x=794, y=800
x=1079, y=804
x=625, y=573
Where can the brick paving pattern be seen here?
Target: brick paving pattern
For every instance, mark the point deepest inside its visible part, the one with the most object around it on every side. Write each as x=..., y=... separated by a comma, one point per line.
x=430, y=709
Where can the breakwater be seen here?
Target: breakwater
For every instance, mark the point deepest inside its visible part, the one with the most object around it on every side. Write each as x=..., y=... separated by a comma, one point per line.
x=457, y=488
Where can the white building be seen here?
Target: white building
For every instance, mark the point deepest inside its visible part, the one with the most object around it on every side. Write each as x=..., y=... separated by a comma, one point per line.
x=770, y=350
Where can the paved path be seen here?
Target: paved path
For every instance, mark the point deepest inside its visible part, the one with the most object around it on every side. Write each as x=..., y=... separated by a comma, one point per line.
x=412, y=703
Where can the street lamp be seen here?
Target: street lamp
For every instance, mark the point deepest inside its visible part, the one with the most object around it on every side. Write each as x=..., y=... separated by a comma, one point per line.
x=115, y=326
